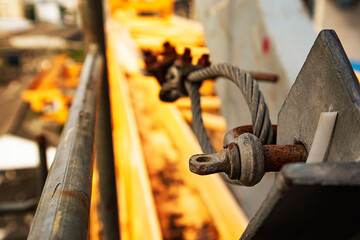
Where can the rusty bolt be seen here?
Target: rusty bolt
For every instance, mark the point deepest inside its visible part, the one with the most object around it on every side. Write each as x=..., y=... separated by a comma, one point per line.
x=169, y=50
x=186, y=58
x=157, y=66
x=246, y=160
x=204, y=61
x=268, y=77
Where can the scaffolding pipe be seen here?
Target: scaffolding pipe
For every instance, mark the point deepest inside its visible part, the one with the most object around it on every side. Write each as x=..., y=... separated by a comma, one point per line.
x=92, y=16
x=63, y=210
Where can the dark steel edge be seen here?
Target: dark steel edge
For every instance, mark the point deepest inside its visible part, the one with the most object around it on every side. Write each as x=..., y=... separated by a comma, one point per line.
x=301, y=174
x=335, y=48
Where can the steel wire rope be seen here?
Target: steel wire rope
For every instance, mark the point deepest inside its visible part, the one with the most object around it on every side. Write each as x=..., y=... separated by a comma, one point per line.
x=197, y=121
x=261, y=123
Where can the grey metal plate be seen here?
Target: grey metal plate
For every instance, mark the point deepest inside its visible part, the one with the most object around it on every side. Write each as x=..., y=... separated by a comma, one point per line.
x=326, y=82
x=317, y=201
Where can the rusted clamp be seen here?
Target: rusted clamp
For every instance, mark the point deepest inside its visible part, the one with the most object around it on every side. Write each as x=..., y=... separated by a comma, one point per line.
x=156, y=67
x=174, y=85
x=171, y=70
x=245, y=159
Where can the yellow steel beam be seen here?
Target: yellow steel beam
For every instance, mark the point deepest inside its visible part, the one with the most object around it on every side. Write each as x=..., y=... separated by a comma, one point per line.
x=229, y=219
x=164, y=7
x=211, y=121
x=208, y=103
x=151, y=32
x=138, y=218
x=137, y=212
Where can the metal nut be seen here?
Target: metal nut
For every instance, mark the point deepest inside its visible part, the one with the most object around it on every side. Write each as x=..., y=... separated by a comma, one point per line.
x=251, y=159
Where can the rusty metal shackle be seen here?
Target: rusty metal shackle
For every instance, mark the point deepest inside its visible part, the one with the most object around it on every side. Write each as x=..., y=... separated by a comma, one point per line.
x=245, y=160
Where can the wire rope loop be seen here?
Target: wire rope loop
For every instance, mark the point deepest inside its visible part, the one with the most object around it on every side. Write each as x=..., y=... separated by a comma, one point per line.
x=250, y=89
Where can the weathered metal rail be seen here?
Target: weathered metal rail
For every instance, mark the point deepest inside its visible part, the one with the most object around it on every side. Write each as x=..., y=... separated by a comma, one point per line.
x=63, y=210
x=92, y=15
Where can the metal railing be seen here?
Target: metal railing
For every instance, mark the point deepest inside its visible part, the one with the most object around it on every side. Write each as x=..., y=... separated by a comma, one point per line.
x=63, y=210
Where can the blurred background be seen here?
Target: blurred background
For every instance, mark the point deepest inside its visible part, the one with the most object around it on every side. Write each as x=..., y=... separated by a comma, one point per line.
x=42, y=53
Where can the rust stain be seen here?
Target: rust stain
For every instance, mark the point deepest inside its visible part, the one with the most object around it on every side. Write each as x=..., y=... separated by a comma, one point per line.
x=81, y=198
x=276, y=156
x=56, y=224
x=241, y=130
x=67, y=136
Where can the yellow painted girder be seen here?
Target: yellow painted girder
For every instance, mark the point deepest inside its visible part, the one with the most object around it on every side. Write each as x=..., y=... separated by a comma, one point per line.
x=137, y=212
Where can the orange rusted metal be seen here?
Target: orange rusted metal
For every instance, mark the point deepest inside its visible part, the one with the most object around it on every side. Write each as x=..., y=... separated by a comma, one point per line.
x=276, y=156
x=268, y=77
x=236, y=132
